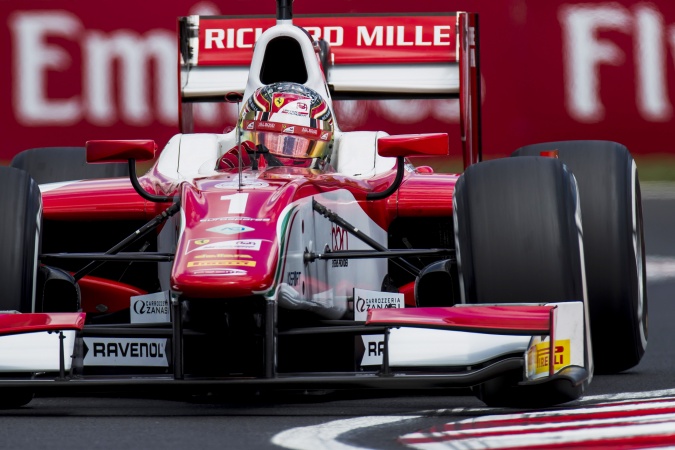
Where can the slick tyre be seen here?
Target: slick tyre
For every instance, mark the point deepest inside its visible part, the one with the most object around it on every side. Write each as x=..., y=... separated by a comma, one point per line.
x=611, y=210
x=21, y=203
x=54, y=164
x=518, y=240
x=516, y=232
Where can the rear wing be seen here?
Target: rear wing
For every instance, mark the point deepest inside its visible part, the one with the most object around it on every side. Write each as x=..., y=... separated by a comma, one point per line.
x=361, y=56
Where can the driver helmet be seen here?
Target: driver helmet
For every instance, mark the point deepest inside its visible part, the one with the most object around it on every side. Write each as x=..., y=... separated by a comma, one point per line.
x=291, y=121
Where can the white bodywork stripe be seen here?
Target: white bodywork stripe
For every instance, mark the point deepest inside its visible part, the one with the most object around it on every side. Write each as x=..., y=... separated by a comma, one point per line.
x=52, y=186
x=35, y=352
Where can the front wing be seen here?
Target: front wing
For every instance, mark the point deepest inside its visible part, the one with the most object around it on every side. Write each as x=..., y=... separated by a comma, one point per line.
x=445, y=347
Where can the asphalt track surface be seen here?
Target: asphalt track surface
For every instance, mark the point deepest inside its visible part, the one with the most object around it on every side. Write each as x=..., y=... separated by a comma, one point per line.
x=336, y=421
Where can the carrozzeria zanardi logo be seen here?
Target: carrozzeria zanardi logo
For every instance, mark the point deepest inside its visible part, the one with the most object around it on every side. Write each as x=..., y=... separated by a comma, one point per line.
x=352, y=39
x=365, y=299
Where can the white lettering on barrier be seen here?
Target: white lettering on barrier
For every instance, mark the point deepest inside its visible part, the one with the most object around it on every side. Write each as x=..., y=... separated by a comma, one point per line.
x=133, y=54
x=33, y=58
x=650, y=65
x=584, y=52
x=36, y=57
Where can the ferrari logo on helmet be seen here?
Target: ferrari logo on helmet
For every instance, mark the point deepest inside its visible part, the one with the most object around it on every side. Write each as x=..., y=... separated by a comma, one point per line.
x=201, y=241
x=278, y=101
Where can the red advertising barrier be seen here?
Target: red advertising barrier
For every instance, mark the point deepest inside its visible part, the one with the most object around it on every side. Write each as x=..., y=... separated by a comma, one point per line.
x=560, y=69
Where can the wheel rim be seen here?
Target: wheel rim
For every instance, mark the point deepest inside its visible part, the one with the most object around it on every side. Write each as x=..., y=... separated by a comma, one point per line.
x=638, y=245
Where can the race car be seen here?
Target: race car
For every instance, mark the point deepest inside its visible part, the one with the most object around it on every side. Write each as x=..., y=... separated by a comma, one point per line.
x=289, y=254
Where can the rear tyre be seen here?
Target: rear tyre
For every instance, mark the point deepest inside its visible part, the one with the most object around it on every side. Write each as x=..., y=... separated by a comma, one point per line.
x=518, y=240
x=19, y=239
x=54, y=164
x=611, y=208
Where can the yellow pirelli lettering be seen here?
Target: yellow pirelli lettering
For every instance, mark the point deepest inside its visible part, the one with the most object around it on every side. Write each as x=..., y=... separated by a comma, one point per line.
x=539, y=356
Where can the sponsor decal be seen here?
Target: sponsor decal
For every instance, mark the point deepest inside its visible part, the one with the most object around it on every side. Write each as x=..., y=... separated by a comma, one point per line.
x=311, y=131
x=374, y=349
x=114, y=351
x=339, y=241
x=325, y=136
x=236, y=219
x=365, y=300
x=289, y=129
x=338, y=263
x=250, y=125
x=266, y=126
x=354, y=40
x=294, y=104
x=222, y=255
x=201, y=241
x=230, y=228
x=221, y=262
x=292, y=278
x=538, y=357
x=339, y=238
x=238, y=244
x=220, y=272
x=150, y=308
x=234, y=184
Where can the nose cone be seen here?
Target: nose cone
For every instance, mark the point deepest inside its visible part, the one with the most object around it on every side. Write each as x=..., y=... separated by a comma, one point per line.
x=229, y=246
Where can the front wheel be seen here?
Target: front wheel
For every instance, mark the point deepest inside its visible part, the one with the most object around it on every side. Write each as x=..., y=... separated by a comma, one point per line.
x=611, y=209
x=21, y=204
x=518, y=239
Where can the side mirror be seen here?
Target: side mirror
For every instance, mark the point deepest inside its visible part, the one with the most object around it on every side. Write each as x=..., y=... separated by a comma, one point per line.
x=403, y=145
x=431, y=144
x=130, y=151
x=120, y=150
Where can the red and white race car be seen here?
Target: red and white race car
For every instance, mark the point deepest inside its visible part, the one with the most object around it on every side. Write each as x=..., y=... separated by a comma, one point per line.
x=288, y=254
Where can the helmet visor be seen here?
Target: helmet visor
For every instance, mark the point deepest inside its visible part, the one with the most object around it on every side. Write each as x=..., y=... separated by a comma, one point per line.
x=290, y=145
x=291, y=140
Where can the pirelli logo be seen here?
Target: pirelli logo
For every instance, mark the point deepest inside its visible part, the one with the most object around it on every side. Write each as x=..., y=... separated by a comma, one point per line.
x=539, y=356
